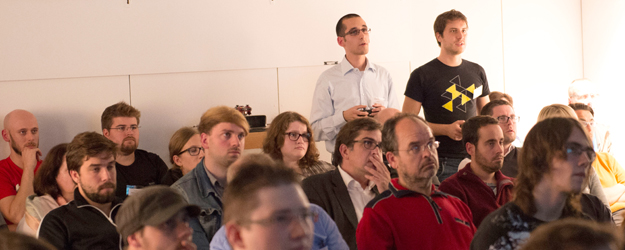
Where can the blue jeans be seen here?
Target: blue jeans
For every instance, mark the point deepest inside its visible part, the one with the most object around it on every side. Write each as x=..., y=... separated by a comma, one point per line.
x=448, y=167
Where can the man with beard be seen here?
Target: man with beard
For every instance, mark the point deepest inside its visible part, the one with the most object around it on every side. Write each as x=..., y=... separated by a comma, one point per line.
x=504, y=113
x=87, y=221
x=136, y=168
x=359, y=176
x=17, y=171
x=480, y=184
x=352, y=89
x=222, y=133
x=450, y=90
x=412, y=213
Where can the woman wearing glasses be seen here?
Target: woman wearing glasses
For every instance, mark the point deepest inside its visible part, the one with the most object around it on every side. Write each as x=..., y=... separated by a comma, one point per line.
x=289, y=139
x=185, y=152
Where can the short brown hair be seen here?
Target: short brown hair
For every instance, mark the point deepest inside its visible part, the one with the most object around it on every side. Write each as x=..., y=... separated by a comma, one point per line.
x=389, y=136
x=20, y=241
x=276, y=133
x=219, y=114
x=471, y=128
x=544, y=142
x=120, y=109
x=340, y=27
x=573, y=234
x=241, y=196
x=348, y=134
x=496, y=95
x=85, y=145
x=178, y=140
x=580, y=106
x=488, y=108
x=45, y=178
x=442, y=19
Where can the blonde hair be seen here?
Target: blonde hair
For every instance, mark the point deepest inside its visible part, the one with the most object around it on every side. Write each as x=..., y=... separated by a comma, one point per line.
x=556, y=110
x=219, y=114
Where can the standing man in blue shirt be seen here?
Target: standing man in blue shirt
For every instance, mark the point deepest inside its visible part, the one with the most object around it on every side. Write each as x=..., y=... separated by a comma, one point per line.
x=354, y=88
x=450, y=89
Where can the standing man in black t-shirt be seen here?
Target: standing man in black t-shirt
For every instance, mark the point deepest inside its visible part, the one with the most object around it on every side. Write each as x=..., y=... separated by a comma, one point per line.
x=450, y=89
x=136, y=168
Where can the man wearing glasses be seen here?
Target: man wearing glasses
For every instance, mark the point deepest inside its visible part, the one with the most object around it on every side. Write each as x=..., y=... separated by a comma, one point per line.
x=504, y=113
x=136, y=168
x=354, y=88
x=156, y=218
x=450, y=90
x=360, y=175
x=480, y=184
x=412, y=213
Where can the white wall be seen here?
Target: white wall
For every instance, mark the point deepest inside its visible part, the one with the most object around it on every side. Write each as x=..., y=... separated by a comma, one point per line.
x=604, y=31
x=66, y=60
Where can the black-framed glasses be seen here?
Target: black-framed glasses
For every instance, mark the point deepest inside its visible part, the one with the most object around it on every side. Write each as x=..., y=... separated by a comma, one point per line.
x=295, y=136
x=415, y=149
x=585, y=123
x=123, y=128
x=505, y=119
x=576, y=150
x=193, y=151
x=283, y=219
x=369, y=144
x=355, y=32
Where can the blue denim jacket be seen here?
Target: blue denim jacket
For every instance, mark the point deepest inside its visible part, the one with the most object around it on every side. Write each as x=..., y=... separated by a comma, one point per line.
x=197, y=189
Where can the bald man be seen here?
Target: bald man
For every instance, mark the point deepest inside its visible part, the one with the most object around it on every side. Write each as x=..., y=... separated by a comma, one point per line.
x=17, y=171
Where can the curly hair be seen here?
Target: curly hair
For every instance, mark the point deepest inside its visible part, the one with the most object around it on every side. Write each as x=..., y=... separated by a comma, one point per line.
x=276, y=134
x=544, y=142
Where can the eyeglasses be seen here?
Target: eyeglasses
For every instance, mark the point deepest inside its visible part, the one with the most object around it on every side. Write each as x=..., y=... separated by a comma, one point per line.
x=369, y=144
x=285, y=218
x=416, y=149
x=132, y=128
x=193, y=151
x=505, y=119
x=355, y=32
x=576, y=150
x=585, y=123
x=295, y=136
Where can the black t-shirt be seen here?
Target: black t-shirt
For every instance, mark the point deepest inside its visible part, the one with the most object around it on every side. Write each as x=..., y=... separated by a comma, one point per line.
x=509, y=228
x=148, y=169
x=448, y=94
x=510, y=163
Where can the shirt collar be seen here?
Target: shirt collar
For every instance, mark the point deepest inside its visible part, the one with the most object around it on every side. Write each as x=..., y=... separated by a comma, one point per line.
x=509, y=150
x=347, y=67
x=348, y=179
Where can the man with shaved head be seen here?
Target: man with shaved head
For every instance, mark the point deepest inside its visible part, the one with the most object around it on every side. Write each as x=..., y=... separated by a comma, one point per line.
x=17, y=171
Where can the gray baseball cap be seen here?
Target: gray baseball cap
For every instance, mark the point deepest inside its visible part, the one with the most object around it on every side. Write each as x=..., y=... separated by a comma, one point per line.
x=150, y=206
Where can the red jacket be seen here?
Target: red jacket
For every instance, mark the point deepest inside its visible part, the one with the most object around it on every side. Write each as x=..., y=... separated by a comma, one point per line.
x=476, y=194
x=400, y=218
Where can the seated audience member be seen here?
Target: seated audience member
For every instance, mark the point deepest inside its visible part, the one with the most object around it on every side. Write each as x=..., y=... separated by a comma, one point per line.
x=222, y=132
x=53, y=188
x=413, y=213
x=601, y=141
x=593, y=186
x=496, y=95
x=575, y=234
x=504, y=113
x=360, y=175
x=156, y=217
x=289, y=140
x=136, y=168
x=481, y=185
x=553, y=165
x=17, y=171
x=18, y=241
x=610, y=172
x=87, y=221
x=584, y=91
x=185, y=152
x=265, y=208
x=327, y=235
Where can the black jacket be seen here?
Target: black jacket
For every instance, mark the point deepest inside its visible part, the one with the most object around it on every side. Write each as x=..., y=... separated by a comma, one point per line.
x=328, y=190
x=78, y=225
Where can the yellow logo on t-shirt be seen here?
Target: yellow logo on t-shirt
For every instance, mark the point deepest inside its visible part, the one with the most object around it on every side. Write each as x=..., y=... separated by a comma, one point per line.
x=456, y=90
